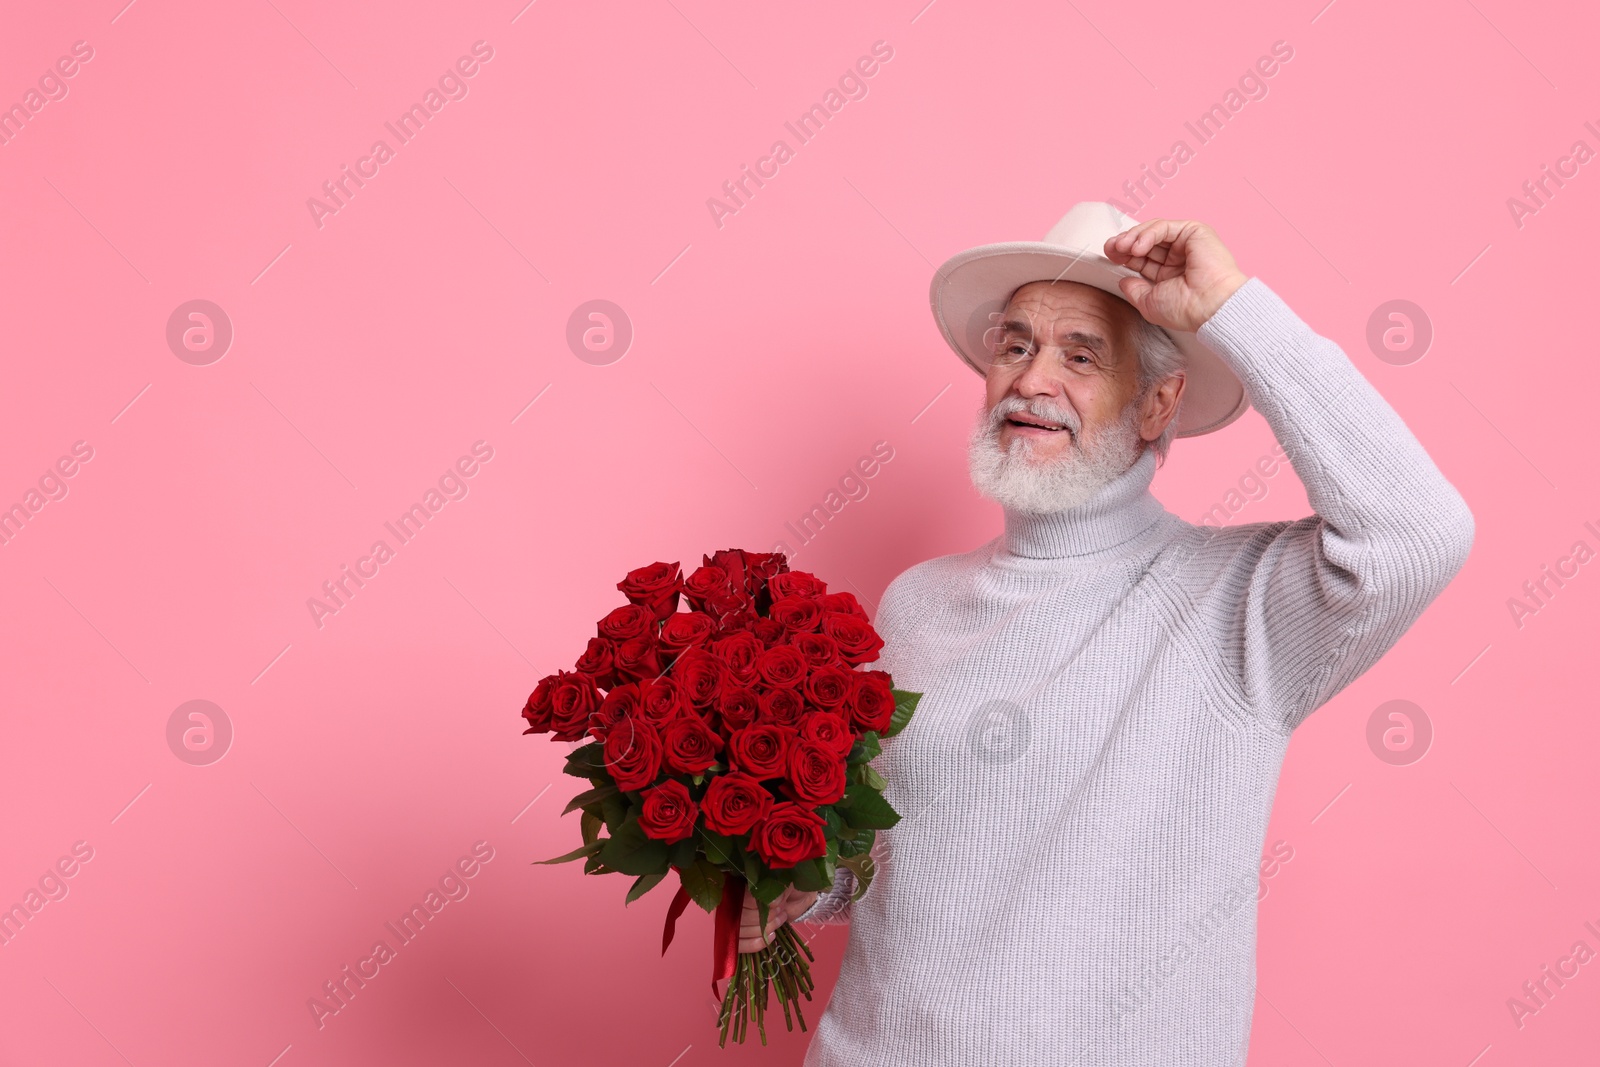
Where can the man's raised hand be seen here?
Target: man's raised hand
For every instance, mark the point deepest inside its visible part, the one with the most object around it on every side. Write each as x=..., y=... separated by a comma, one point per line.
x=1186, y=273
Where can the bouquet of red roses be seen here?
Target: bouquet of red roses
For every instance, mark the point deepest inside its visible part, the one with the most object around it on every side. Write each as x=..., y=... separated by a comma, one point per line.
x=731, y=744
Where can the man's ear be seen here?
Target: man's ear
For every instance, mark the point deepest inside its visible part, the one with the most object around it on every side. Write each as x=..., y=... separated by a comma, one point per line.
x=1161, y=406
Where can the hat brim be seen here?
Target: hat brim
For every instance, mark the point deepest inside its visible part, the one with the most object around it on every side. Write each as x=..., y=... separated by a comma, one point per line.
x=976, y=284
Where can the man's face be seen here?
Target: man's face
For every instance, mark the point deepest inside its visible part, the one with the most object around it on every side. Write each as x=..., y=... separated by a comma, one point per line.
x=1063, y=413
x=1083, y=363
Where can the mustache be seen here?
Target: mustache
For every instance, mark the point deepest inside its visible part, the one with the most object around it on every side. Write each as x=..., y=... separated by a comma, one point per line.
x=1038, y=407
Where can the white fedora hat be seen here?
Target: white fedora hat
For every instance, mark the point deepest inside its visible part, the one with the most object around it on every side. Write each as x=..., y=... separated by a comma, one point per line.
x=972, y=288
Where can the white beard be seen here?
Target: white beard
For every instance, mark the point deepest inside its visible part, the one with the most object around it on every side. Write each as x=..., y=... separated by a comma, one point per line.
x=1016, y=479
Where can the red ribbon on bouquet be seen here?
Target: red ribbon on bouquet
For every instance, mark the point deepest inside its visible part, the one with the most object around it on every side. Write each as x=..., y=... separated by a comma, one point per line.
x=725, y=939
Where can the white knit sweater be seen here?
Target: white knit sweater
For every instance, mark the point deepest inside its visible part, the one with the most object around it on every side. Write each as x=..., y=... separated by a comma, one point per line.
x=1108, y=695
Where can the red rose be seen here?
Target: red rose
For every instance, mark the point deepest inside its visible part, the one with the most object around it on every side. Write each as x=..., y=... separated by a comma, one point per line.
x=768, y=631
x=700, y=676
x=625, y=622
x=764, y=566
x=760, y=750
x=703, y=583
x=734, y=803
x=737, y=707
x=573, y=698
x=789, y=835
x=734, y=562
x=816, y=774
x=621, y=703
x=661, y=702
x=726, y=603
x=597, y=662
x=829, y=687
x=796, y=583
x=830, y=731
x=871, y=706
x=633, y=754
x=537, y=709
x=686, y=629
x=844, y=603
x=738, y=651
x=655, y=588
x=781, y=707
x=782, y=666
x=797, y=614
x=638, y=659
x=820, y=650
x=858, y=642
x=668, y=812
x=689, y=745
x=739, y=621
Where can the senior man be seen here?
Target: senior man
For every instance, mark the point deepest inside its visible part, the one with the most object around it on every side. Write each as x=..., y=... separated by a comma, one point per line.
x=1109, y=690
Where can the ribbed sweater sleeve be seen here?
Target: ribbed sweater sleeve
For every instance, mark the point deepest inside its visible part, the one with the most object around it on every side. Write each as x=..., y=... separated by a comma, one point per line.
x=1302, y=608
x=832, y=907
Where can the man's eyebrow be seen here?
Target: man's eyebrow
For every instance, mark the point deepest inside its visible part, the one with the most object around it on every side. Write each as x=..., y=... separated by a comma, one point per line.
x=1078, y=337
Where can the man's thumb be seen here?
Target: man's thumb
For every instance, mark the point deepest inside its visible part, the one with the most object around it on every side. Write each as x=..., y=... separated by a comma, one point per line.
x=1136, y=291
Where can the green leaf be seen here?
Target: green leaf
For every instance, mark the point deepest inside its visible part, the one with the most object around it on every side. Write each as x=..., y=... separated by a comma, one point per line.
x=646, y=859
x=865, y=808
x=858, y=843
x=809, y=877
x=585, y=761
x=614, y=810
x=589, y=849
x=864, y=774
x=865, y=749
x=754, y=870
x=645, y=883
x=769, y=888
x=628, y=850
x=863, y=868
x=591, y=825
x=905, y=703
x=836, y=826
x=591, y=796
x=681, y=853
x=719, y=848
x=703, y=883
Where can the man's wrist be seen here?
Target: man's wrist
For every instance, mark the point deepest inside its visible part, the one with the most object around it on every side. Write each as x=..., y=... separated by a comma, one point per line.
x=1221, y=293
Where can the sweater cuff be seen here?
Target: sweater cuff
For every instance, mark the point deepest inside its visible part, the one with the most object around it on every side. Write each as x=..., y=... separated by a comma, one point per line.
x=829, y=903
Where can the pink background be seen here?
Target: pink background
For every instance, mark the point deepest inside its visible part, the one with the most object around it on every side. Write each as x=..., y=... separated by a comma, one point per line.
x=768, y=355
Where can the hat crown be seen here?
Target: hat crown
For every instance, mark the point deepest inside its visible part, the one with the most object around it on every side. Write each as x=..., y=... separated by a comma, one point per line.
x=1088, y=226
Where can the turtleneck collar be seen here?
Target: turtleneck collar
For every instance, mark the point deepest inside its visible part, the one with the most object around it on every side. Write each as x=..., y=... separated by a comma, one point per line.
x=1118, y=511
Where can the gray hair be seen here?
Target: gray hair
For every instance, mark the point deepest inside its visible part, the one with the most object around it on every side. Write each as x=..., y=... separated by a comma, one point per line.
x=1159, y=359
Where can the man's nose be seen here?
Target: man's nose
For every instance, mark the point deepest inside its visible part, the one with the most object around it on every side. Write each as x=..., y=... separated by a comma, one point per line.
x=1039, y=377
